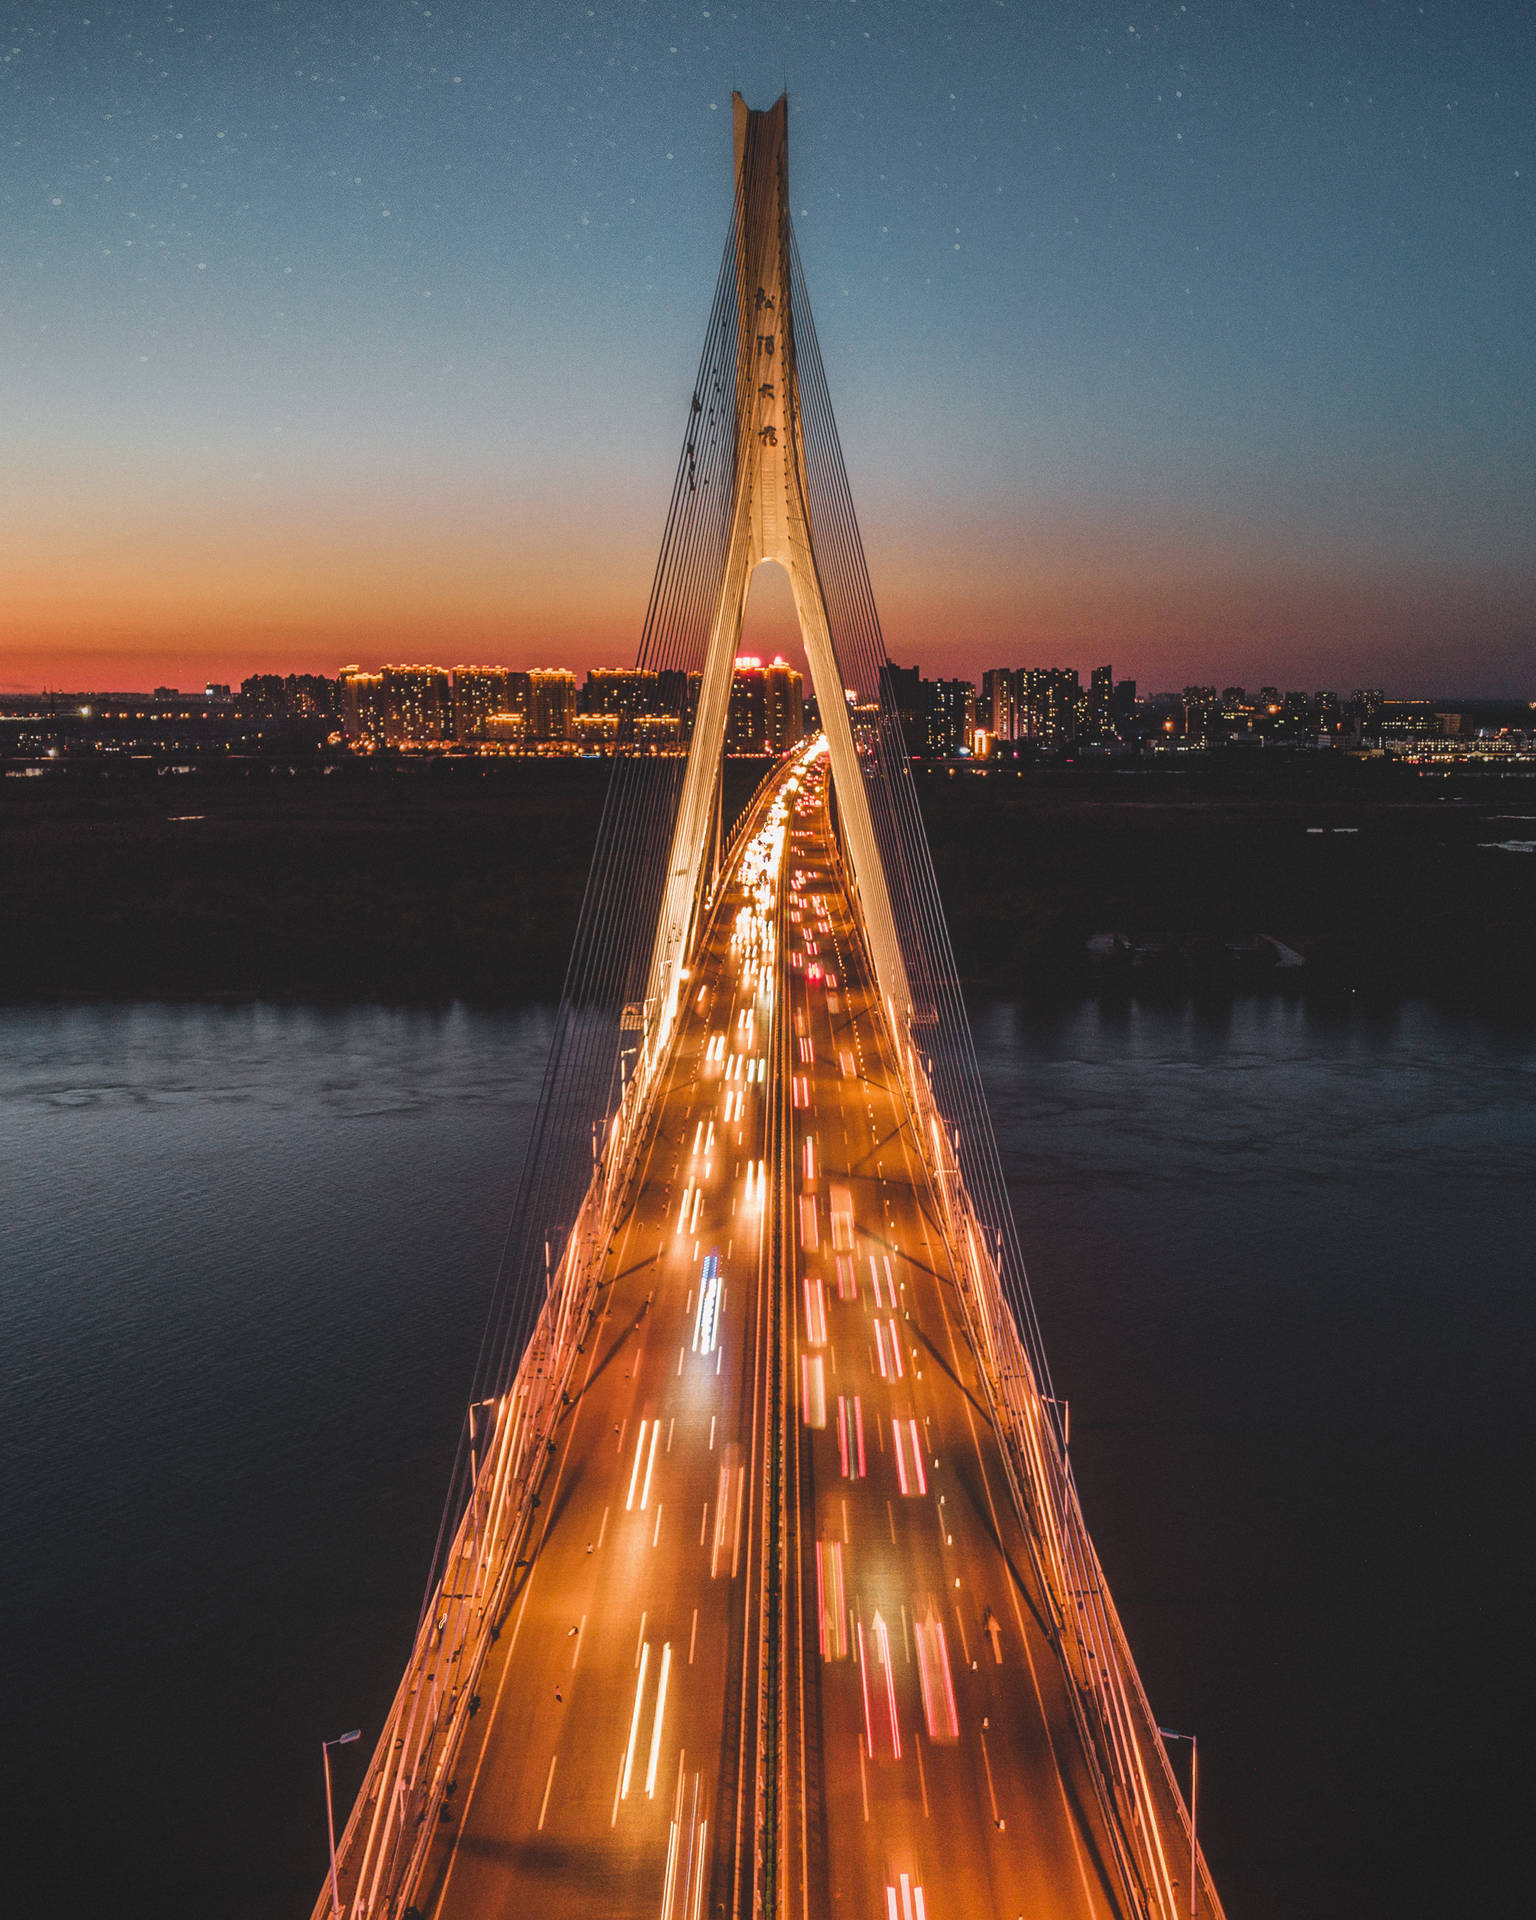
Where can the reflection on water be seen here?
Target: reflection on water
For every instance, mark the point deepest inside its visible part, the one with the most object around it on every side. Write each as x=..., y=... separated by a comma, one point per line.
x=1283, y=1265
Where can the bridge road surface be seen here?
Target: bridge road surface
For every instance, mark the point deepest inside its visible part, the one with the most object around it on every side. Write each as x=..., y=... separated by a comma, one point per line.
x=605, y=1773
x=943, y=1772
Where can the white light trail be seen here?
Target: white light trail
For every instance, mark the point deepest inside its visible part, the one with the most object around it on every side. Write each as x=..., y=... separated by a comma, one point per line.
x=634, y=1475
x=634, y=1723
x=661, y=1708
x=650, y=1462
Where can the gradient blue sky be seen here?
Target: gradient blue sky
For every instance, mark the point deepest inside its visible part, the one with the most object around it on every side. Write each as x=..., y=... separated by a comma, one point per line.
x=1195, y=337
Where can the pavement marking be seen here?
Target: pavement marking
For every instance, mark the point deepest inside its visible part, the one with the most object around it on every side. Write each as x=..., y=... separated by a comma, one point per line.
x=986, y=1759
x=549, y=1782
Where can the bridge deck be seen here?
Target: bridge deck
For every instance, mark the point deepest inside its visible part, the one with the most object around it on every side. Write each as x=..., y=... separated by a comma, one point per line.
x=933, y=1767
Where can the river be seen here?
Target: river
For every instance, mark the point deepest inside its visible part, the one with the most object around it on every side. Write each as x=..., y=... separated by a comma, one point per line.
x=1282, y=1256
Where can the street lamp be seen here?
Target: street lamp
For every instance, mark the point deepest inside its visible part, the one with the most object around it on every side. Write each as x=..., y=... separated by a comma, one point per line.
x=1194, y=1788
x=341, y=1740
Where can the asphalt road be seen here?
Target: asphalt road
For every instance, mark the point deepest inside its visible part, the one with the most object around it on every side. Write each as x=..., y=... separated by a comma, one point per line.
x=932, y=1768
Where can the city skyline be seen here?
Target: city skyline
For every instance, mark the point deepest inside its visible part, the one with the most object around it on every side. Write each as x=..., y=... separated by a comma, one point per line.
x=1197, y=337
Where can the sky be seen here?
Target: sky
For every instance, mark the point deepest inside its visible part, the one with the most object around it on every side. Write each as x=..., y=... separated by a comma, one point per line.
x=1194, y=338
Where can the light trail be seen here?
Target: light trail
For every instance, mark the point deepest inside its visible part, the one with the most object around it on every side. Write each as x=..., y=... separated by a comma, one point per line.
x=650, y=1462
x=883, y=1644
x=634, y=1723
x=634, y=1476
x=706, y=1318
x=661, y=1710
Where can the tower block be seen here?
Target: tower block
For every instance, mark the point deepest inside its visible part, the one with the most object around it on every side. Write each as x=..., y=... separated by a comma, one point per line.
x=770, y=519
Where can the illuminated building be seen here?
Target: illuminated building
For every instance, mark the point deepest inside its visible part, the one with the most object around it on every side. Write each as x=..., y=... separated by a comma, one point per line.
x=478, y=692
x=362, y=707
x=1201, y=707
x=656, y=732
x=551, y=703
x=506, y=729
x=746, y=727
x=1101, y=700
x=784, y=700
x=996, y=711
x=596, y=732
x=1048, y=700
x=625, y=691
x=677, y=693
x=418, y=706
x=951, y=716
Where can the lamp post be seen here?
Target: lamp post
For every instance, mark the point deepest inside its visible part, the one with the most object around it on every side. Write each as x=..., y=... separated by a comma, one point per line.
x=1194, y=1789
x=341, y=1740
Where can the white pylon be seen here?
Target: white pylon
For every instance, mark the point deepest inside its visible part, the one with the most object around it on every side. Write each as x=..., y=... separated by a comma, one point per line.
x=770, y=520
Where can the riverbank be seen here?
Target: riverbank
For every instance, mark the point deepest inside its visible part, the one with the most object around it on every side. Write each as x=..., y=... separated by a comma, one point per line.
x=421, y=884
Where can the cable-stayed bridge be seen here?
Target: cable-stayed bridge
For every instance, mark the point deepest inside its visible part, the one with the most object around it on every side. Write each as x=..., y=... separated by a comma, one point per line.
x=763, y=1587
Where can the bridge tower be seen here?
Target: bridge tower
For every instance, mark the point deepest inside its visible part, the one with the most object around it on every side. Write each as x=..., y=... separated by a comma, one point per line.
x=770, y=518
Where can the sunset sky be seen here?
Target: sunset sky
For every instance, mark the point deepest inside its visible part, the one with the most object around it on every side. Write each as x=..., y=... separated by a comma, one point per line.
x=1193, y=337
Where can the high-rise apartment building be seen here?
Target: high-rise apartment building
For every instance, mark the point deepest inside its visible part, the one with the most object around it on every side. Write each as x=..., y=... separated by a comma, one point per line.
x=1048, y=699
x=362, y=706
x=1101, y=701
x=951, y=716
x=746, y=726
x=478, y=692
x=418, y=706
x=551, y=703
x=784, y=704
x=997, y=708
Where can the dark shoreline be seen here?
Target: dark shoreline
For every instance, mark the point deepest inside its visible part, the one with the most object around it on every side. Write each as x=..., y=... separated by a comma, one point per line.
x=421, y=885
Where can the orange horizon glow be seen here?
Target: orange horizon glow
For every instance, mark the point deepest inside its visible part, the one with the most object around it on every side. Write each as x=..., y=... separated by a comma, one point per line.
x=161, y=594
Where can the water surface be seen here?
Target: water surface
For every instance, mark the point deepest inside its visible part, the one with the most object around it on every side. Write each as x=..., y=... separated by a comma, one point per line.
x=1283, y=1262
